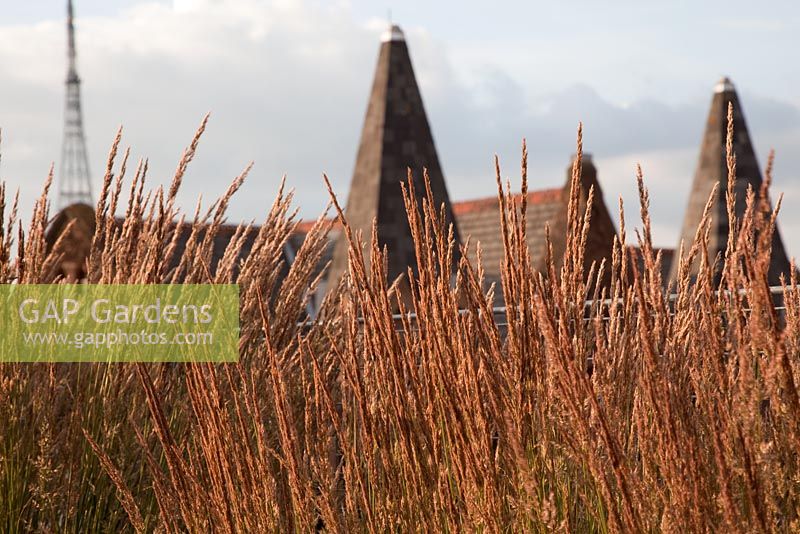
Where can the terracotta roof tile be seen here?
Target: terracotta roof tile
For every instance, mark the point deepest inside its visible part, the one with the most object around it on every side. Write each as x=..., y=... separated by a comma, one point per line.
x=304, y=226
x=542, y=196
x=465, y=207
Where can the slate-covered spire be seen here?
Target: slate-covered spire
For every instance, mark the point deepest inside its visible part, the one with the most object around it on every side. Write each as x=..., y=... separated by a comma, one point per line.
x=395, y=137
x=712, y=168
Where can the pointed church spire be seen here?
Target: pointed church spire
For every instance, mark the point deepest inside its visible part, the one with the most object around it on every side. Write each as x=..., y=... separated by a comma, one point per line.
x=395, y=137
x=712, y=168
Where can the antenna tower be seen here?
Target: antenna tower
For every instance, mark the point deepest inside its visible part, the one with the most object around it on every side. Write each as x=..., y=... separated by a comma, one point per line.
x=76, y=183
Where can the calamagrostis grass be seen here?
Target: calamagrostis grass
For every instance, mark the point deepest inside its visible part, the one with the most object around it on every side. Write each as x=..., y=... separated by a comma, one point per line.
x=635, y=413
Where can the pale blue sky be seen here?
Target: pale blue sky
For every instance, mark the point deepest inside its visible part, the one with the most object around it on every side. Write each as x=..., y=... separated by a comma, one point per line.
x=287, y=83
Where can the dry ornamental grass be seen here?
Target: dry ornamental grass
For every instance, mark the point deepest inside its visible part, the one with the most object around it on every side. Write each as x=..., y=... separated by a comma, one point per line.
x=636, y=412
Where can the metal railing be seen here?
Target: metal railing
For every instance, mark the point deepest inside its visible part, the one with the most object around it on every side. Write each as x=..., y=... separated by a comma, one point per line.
x=500, y=312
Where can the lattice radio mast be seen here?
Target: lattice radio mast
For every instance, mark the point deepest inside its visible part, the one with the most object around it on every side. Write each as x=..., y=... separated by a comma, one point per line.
x=76, y=183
